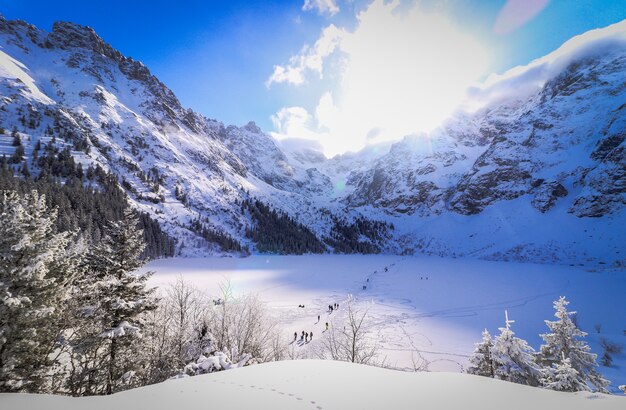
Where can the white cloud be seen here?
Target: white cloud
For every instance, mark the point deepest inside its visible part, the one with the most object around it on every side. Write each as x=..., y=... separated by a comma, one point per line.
x=521, y=81
x=401, y=72
x=328, y=7
x=310, y=59
x=291, y=120
x=326, y=112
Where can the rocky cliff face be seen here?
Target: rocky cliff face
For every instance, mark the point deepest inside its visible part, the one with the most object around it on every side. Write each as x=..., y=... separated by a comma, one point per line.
x=564, y=143
x=485, y=184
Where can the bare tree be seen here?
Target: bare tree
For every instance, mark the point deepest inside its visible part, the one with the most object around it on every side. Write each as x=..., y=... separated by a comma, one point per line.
x=350, y=342
x=186, y=307
x=242, y=325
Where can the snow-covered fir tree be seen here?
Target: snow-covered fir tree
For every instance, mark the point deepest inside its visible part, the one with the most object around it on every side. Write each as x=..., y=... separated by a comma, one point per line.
x=513, y=358
x=563, y=377
x=35, y=272
x=564, y=341
x=120, y=300
x=481, y=360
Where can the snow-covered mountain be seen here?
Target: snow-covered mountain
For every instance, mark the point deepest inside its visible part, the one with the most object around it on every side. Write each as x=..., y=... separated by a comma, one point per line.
x=545, y=162
x=538, y=172
x=69, y=88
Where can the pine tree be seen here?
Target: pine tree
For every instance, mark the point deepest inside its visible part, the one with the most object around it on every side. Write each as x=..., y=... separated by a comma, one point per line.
x=35, y=273
x=513, y=358
x=122, y=297
x=16, y=138
x=25, y=171
x=482, y=363
x=564, y=342
x=563, y=377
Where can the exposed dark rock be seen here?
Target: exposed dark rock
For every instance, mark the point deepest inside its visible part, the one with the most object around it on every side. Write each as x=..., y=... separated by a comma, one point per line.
x=606, y=145
x=474, y=193
x=66, y=35
x=546, y=195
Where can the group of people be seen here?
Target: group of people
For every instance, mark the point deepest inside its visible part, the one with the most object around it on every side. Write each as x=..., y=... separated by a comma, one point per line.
x=306, y=337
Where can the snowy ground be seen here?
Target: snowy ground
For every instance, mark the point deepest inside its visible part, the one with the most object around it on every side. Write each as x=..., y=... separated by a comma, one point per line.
x=324, y=385
x=427, y=306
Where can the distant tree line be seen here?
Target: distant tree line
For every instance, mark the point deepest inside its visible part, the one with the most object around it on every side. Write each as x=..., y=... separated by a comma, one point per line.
x=226, y=242
x=85, y=200
x=359, y=236
x=273, y=231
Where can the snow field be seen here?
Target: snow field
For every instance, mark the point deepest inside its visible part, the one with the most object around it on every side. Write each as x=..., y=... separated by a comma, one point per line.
x=324, y=385
x=420, y=307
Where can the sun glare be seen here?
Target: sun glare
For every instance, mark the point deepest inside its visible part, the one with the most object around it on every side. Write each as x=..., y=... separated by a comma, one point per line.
x=402, y=72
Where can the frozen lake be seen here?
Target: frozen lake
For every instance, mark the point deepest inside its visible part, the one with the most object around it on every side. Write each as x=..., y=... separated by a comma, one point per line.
x=427, y=306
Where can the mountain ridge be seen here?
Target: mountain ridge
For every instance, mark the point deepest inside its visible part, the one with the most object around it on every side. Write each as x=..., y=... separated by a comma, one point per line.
x=554, y=158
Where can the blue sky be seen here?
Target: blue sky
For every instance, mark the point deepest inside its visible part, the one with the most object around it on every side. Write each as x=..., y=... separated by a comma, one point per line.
x=218, y=56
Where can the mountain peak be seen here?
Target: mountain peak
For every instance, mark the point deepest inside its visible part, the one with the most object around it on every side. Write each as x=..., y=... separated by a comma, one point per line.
x=66, y=35
x=252, y=127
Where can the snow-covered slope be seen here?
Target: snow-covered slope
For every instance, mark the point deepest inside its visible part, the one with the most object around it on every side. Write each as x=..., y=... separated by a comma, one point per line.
x=324, y=385
x=69, y=88
x=536, y=173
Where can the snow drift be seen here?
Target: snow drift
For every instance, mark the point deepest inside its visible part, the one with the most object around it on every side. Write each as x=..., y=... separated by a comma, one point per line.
x=315, y=384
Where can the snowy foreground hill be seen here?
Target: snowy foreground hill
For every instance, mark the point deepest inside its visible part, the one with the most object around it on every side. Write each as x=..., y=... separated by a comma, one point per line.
x=317, y=384
x=535, y=174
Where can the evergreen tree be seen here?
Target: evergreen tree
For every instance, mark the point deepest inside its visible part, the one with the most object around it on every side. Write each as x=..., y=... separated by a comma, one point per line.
x=513, y=358
x=563, y=377
x=25, y=171
x=563, y=342
x=18, y=155
x=122, y=297
x=482, y=363
x=273, y=231
x=16, y=138
x=34, y=281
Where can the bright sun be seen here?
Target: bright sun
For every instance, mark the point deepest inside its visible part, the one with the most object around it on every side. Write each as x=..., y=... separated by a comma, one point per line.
x=402, y=72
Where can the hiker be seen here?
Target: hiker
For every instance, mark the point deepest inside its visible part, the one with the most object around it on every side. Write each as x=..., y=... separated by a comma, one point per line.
x=364, y=287
x=326, y=325
x=337, y=305
x=306, y=337
x=310, y=336
x=295, y=336
x=318, y=318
